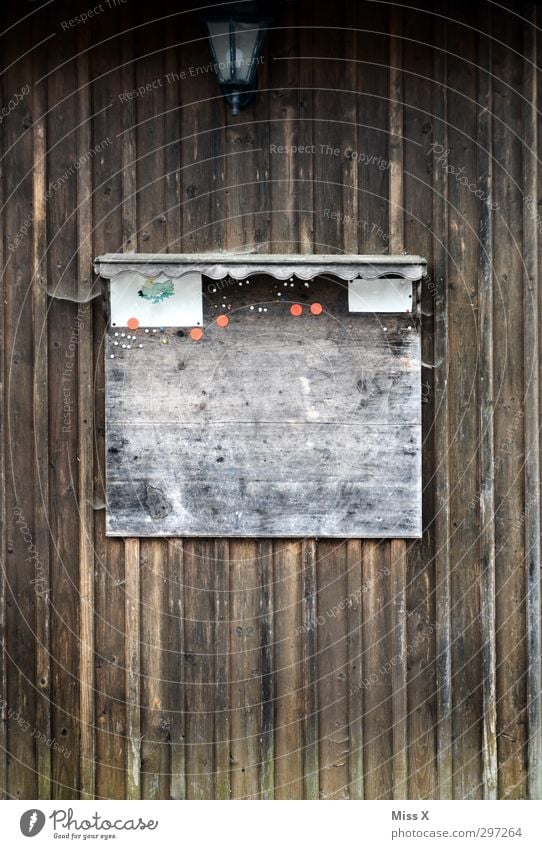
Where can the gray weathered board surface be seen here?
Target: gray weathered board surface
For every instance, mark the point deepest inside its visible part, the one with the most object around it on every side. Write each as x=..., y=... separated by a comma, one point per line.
x=273, y=426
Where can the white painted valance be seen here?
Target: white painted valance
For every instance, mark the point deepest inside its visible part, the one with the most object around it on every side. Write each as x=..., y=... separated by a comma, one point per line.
x=217, y=266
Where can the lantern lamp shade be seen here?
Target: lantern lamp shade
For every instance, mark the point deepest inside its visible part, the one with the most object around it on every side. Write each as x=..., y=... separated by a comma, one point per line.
x=236, y=44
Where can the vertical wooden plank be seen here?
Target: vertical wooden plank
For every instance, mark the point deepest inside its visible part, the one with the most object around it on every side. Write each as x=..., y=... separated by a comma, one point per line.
x=487, y=450
x=176, y=714
x=3, y=516
x=307, y=223
x=311, y=759
x=201, y=198
x=531, y=316
x=376, y=684
x=133, y=669
x=266, y=579
x=335, y=198
x=113, y=667
x=146, y=174
x=204, y=155
x=398, y=547
x=222, y=670
x=288, y=131
x=396, y=205
x=127, y=139
x=64, y=339
x=85, y=426
x=155, y=766
x=306, y=112
x=150, y=138
x=199, y=666
x=399, y=671
x=355, y=666
x=309, y=677
x=332, y=670
x=334, y=135
x=247, y=177
x=172, y=120
x=508, y=464
x=439, y=294
x=132, y=613
x=463, y=330
x=22, y=555
x=351, y=177
x=373, y=135
x=246, y=670
x=288, y=670
x=151, y=186
x=418, y=94
x=41, y=419
x=110, y=673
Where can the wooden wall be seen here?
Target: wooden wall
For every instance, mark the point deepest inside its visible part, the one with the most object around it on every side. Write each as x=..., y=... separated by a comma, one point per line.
x=237, y=669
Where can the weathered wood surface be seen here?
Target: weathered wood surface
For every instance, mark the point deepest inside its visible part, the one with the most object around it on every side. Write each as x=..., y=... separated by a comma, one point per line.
x=463, y=434
x=438, y=299
x=219, y=266
x=531, y=378
x=183, y=175
x=116, y=628
x=321, y=435
x=275, y=426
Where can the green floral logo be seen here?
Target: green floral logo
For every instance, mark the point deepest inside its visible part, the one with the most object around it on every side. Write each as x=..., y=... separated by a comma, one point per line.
x=157, y=291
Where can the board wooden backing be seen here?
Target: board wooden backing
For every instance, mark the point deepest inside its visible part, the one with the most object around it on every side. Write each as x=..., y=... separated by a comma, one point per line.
x=273, y=426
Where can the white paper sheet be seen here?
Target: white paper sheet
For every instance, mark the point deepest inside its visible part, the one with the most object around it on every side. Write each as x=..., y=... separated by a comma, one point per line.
x=380, y=295
x=157, y=302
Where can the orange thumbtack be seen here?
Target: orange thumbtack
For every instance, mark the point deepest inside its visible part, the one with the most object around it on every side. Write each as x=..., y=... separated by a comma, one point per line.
x=222, y=321
x=296, y=309
x=196, y=334
x=316, y=309
x=133, y=323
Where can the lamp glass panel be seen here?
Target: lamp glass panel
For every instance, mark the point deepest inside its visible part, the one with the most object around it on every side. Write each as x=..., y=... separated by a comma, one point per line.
x=219, y=34
x=246, y=42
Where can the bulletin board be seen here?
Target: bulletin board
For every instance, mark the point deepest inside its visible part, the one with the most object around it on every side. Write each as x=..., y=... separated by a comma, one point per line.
x=285, y=408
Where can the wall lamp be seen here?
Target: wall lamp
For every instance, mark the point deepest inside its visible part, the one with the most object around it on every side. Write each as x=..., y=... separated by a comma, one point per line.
x=236, y=46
